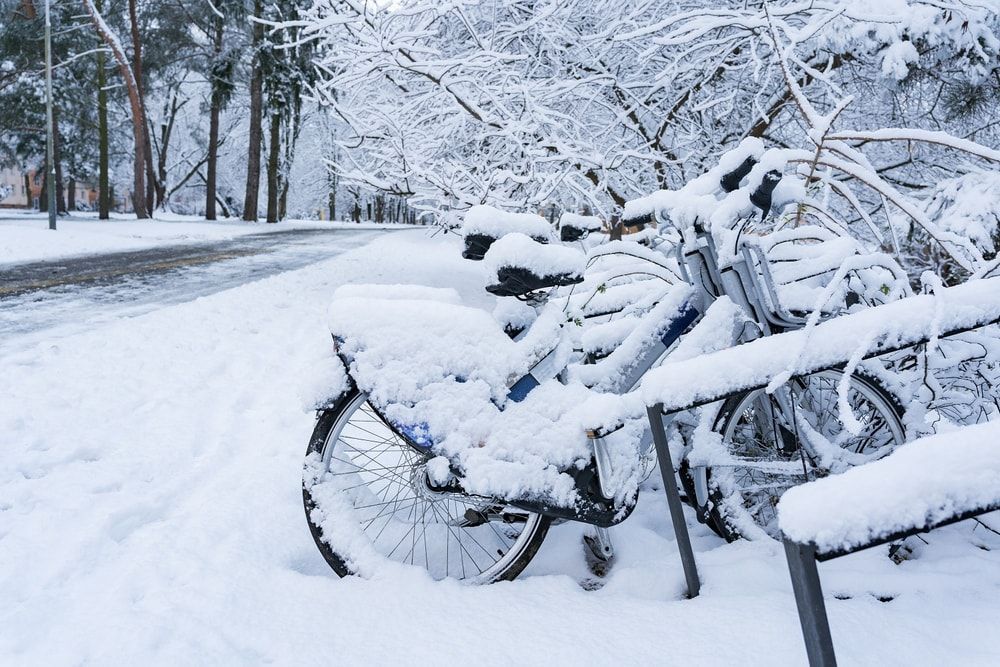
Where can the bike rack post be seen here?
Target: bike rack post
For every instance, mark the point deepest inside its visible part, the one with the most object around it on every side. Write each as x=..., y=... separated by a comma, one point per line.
x=809, y=600
x=674, y=499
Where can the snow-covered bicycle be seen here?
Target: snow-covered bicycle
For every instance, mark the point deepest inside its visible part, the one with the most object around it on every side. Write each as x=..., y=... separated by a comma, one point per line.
x=439, y=453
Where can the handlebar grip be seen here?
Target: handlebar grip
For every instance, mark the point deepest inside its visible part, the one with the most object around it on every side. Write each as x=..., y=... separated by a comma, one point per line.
x=731, y=180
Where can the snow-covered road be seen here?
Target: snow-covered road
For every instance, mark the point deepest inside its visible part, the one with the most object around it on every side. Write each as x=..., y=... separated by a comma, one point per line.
x=65, y=295
x=150, y=513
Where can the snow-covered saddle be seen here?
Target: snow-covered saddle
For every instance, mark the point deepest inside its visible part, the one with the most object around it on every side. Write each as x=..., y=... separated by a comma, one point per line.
x=517, y=266
x=484, y=225
x=401, y=339
x=574, y=227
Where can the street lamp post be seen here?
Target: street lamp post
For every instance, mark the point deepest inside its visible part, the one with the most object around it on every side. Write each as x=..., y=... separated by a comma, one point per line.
x=50, y=143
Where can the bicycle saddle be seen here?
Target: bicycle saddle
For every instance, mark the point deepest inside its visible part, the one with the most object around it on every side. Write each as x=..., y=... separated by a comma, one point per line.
x=519, y=265
x=568, y=233
x=483, y=225
x=574, y=227
x=519, y=281
x=476, y=246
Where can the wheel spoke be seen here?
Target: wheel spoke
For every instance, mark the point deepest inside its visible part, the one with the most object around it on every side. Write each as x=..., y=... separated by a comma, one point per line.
x=763, y=470
x=403, y=516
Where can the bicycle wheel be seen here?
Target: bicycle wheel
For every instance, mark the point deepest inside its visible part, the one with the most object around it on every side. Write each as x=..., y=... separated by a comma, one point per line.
x=764, y=441
x=368, y=500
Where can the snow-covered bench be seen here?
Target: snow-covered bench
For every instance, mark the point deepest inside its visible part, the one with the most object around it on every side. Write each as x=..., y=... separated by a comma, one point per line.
x=929, y=483
x=676, y=386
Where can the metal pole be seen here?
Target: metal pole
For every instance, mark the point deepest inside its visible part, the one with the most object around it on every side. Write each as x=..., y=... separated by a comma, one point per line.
x=655, y=414
x=809, y=600
x=50, y=150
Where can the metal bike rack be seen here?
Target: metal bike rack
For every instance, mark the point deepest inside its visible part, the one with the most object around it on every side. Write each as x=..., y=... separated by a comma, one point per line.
x=802, y=559
x=659, y=432
x=809, y=601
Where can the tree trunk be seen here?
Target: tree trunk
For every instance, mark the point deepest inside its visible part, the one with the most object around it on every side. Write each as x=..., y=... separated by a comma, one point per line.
x=213, y=126
x=286, y=165
x=43, y=194
x=135, y=104
x=255, y=139
x=27, y=191
x=150, y=174
x=213, y=153
x=283, y=200
x=103, y=189
x=56, y=141
x=170, y=110
x=133, y=20
x=273, y=160
x=71, y=194
x=293, y=127
x=333, y=198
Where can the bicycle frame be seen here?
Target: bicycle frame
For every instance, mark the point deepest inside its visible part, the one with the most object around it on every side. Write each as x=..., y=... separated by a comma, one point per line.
x=747, y=281
x=698, y=261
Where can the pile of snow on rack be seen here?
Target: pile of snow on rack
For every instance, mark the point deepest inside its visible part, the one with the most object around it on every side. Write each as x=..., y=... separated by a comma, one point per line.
x=927, y=481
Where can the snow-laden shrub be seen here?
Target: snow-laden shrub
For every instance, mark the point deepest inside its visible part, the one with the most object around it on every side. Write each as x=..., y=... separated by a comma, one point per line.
x=969, y=205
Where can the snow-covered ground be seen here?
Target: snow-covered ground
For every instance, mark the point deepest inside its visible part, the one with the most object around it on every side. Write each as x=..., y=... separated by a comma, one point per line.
x=150, y=513
x=25, y=236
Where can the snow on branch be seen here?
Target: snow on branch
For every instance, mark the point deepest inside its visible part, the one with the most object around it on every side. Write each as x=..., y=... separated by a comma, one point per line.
x=925, y=136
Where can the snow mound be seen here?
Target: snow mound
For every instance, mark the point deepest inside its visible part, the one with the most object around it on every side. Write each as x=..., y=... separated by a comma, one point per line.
x=513, y=314
x=601, y=339
x=923, y=483
x=490, y=221
x=386, y=340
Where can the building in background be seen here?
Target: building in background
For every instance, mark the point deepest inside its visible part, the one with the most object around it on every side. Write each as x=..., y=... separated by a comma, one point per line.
x=15, y=189
x=22, y=189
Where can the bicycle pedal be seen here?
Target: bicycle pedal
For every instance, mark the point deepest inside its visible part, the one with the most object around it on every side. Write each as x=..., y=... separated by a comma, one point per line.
x=600, y=549
x=599, y=555
x=899, y=552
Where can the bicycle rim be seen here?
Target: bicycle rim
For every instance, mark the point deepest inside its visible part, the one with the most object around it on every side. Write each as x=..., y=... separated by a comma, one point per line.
x=382, y=484
x=749, y=494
